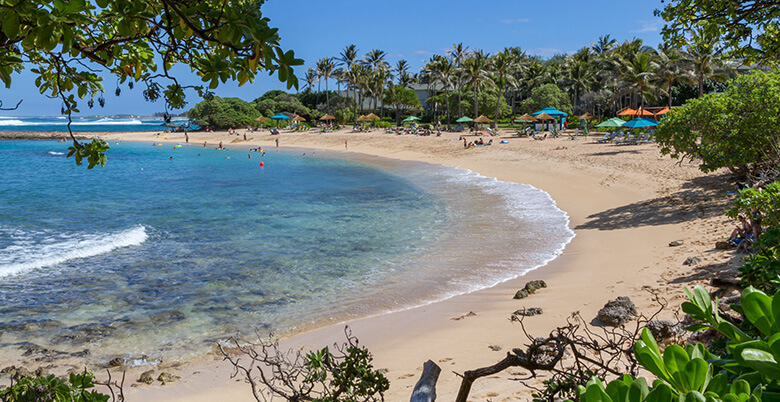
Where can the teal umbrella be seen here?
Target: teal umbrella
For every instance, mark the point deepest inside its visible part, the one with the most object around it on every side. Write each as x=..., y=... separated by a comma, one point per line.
x=410, y=118
x=464, y=119
x=280, y=117
x=613, y=122
x=641, y=122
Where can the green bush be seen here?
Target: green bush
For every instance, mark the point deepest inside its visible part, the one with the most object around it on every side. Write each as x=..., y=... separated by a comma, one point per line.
x=78, y=388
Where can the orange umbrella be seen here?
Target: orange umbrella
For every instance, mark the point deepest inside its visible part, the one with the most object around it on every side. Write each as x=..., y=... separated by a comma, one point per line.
x=662, y=111
x=643, y=112
x=627, y=112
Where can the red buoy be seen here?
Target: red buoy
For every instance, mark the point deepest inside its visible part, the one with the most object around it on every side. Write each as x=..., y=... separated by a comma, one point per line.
x=262, y=164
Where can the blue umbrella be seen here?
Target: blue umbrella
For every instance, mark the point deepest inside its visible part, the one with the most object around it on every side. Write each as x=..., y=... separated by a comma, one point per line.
x=280, y=117
x=640, y=122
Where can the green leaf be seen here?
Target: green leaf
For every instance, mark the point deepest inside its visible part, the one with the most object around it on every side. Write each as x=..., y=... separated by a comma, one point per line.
x=675, y=360
x=11, y=25
x=761, y=361
x=660, y=393
x=758, y=309
x=696, y=374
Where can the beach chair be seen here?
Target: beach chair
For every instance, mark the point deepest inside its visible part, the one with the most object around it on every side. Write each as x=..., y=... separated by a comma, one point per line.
x=609, y=136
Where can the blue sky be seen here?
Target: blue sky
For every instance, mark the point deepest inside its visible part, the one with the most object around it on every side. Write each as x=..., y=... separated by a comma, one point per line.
x=405, y=29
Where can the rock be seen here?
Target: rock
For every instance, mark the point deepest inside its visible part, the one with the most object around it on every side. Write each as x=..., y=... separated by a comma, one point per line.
x=527, y=312
x=664, y=329
x=723, y=245
x=115, y=362
x=83, y=353
x=494, y=348
x=166, y=377
x=21, y=372
x=692, y=261
x=532, y=286
x=617, y=312
x=146, y=377
x=521, y=294
x=42, y=372
x=8, y=370
x=676, y=243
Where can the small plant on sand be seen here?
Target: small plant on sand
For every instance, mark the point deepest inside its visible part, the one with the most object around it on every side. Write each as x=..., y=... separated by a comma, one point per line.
x=341, y=373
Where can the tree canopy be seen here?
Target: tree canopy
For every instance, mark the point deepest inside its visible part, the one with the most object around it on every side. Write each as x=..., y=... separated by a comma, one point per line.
x=544, y=96
x=736, y=129
x=68, y=43
x=223, y=112
x=750, y=28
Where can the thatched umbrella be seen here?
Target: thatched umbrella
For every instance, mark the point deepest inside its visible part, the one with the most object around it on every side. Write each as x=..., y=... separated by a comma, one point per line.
x=262, y=119
x=363, y=118
x=372, y=116
x=327, y=117
x=297, y=118
x=587, y=116
x=482, y=119
x=544, y=117
x=525, y=117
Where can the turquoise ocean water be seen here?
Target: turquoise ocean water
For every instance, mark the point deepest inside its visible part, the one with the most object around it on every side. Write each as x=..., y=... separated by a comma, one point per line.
x=166, y=250
x=85, y=124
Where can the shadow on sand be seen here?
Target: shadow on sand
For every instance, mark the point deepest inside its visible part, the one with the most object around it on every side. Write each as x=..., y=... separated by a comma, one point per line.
x=702, y=197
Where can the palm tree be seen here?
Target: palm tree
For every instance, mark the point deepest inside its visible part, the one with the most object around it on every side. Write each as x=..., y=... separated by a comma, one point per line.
x=668, y=71
x=603, y=45
x=636, y=73
x=703, y=58
x=443, y=72
x=348, y=58
x=375, y=60
x=325, y=67
x=476, y=73
x=459, y=53
x=581, y=73
x=310, y=78
x=501, y=65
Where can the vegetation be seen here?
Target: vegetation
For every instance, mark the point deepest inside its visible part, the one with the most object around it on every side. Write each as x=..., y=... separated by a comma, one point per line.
x=223, y=112
x=78, y=388
x=736, y=129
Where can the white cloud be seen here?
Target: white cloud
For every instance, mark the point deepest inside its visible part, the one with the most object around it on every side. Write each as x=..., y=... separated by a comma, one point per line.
x=423, y=52
x=648, y=26
x=515, y=20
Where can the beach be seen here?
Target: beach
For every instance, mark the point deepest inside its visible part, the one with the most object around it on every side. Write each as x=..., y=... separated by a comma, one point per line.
x=625, y=205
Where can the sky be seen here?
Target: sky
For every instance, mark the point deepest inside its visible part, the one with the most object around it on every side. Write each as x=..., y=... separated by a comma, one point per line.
x=405, y=29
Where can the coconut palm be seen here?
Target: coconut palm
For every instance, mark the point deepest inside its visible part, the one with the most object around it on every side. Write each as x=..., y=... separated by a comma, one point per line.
x=347, y=58
x=636, y=74
x=325, y=68
x=444, y=72
x=668, y=71
x=501, y=66
x=459, y=53
x=475, y=70
x=703, y=58
x=311, y=77
x=603, y=45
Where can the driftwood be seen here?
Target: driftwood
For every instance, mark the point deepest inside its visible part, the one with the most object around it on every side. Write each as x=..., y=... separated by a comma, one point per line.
x=425, y=389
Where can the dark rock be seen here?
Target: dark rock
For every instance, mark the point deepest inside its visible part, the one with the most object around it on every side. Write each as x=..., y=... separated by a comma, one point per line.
x=664, y=329
x=41, y=354
x=82, y=353
x=725, y=303
x=165, y=378
x=85, y=333
x=521, y=294
x=21, y=372
x=8, y=370
x=116, y=362
x=676, y=243
x=146, y=377
x=495, y=348
x=533, y=286
x=692, y=261
x=527, y=312
x=723, y=245
x=42, y=372
x=617, y=312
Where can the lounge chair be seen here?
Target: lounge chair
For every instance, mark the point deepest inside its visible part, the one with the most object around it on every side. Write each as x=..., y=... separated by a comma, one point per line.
x=610, y=136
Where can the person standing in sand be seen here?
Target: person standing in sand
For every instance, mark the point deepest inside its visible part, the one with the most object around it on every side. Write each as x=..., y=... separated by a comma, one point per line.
x=345, y=145
x=277, y=143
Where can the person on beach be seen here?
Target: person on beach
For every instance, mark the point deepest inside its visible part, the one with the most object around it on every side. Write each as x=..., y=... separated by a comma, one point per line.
x=244, y=136
x=277, y=143
x=204, y=144
x=220, y=145
x=186, y=138
x=345, y=145
x=743, y=229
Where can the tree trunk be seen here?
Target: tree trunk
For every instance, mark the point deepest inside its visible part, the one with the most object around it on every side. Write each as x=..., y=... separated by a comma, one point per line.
x=498, y=103
x=425, y=389
x=470, y=376
x=701, y=86
x=476, y=102
x=327, y=95
x=447, y=99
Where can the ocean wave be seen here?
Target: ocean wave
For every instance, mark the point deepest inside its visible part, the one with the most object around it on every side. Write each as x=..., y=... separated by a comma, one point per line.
x=55, y=153
x=13, y=122
x=45, y=250
x=109, y=122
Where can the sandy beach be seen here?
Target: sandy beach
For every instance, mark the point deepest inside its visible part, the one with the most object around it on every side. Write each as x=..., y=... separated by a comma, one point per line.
x=625, y=203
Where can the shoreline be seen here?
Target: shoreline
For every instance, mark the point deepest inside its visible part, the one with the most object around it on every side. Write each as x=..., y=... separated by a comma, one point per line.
x=608, y=192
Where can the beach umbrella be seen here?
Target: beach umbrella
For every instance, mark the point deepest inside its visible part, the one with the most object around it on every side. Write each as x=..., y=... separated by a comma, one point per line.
x=327, y=117
x=662, y=111
x=372, y=116
x=464, y=119
x=550, y=111
x=643, y=112
x=525, y=117
x=640, y=122
x=262, y=118
x=410, y=118
x=587, y=116
x=297, y=118
x=543, y=117
x=613, y=122
x=363, y=118
x=627, y=112
x=280, y=116
x=482, y=119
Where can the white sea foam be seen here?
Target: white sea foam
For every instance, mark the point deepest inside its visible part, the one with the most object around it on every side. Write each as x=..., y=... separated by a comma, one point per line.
x=45, y=250
x=107, y=121
x=55, y=153
x=13, y=122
